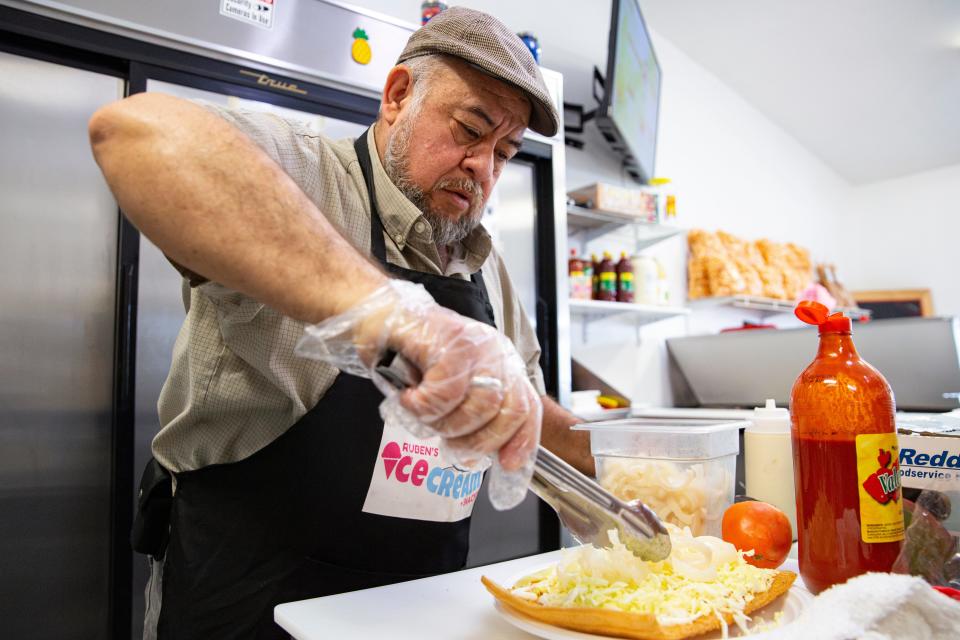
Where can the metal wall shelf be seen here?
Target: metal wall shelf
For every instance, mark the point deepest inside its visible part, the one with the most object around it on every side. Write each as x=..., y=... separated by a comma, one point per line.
x=587, y=224
x=584, y=225
x=639, y=313
x=768, y=306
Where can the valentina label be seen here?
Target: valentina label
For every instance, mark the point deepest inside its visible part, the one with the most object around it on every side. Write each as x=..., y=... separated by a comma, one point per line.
x=878, y=471
x=883, y=483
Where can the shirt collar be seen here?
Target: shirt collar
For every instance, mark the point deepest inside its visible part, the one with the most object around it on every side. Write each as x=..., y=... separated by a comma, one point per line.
x=397, y=213
x=405, y=223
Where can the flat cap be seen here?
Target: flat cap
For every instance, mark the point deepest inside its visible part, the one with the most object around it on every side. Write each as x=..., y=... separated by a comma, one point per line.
x=486, y=43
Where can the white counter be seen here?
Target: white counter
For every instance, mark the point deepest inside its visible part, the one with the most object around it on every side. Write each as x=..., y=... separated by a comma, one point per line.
x=455, y=606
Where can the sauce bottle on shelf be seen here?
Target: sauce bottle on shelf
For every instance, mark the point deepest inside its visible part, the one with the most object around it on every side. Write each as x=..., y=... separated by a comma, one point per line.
x=663, y=289
x=575, y=274
x=645, y=279
x=624, y=278
x=607, y=289
x=845, y=458
x=595, y=276
x=586, y=287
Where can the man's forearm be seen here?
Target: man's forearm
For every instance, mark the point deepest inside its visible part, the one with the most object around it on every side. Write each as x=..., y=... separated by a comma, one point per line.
x=556, y=435
x=211, y=200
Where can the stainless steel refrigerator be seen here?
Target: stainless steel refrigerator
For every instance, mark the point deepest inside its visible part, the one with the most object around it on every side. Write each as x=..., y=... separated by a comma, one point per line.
x=90, y=309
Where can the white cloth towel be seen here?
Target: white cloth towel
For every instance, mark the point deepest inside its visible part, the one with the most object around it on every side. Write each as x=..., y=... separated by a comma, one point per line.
x=876, y=606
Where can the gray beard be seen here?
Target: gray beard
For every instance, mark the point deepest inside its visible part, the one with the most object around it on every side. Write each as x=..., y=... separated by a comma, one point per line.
x=396, y=163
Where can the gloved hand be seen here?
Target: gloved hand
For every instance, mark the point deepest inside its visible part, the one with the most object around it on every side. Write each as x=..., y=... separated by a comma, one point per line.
x=474, y=391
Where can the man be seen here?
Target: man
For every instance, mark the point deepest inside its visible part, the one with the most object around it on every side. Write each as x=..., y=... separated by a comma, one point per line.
x=287, y=483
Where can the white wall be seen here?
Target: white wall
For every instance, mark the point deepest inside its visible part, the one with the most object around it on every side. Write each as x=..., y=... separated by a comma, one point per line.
x=903, y=234
x=735, y=170
x=732, y=168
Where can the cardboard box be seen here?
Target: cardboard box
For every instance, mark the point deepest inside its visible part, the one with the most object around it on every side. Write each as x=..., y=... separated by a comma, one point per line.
x=639, y=203
x=930, y=458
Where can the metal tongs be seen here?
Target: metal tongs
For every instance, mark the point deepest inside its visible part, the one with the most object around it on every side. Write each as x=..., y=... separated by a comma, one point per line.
x=585, y=508
x=590, y=512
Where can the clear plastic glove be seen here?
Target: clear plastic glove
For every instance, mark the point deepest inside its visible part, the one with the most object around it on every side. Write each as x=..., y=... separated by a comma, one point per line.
x=473, y=391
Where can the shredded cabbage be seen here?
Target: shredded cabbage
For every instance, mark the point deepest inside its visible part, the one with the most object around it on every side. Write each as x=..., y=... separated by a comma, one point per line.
x=703, y=576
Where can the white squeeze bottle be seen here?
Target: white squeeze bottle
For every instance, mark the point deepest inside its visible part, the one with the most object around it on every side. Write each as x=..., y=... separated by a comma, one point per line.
x=768, y=460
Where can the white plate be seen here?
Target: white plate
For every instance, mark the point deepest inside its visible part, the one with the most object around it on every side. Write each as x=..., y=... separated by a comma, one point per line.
x=796, y=600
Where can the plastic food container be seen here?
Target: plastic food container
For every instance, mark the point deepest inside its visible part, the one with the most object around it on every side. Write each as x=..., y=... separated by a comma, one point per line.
x=685, y=470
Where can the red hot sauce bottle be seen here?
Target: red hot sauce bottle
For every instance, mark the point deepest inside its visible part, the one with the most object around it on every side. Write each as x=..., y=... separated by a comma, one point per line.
x=625, y=282
x=845, y=460
x=607, y=289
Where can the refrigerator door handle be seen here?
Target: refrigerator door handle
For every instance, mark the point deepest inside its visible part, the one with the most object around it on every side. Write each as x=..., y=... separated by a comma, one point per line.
x=545, y=326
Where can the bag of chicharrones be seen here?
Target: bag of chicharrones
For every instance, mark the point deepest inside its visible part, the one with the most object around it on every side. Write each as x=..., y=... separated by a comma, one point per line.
x=698, y=280
x=725, y=279
x=738, y=252
x=799, y=274
x=703, y=245
x=775, y=259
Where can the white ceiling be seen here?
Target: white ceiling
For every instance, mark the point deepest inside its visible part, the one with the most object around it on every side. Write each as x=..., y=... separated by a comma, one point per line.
x=870, y=86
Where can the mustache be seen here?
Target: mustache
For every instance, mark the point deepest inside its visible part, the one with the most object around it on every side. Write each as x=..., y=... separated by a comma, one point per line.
x=448, y=230
x=464, y=185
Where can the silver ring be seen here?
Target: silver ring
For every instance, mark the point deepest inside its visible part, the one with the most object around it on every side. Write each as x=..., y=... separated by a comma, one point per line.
x=487, y=382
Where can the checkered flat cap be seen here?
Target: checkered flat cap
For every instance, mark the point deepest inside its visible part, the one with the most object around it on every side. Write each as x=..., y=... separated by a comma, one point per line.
x=486, y=43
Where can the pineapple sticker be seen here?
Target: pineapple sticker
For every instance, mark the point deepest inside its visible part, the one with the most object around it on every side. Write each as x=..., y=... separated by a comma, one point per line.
x=361, y=48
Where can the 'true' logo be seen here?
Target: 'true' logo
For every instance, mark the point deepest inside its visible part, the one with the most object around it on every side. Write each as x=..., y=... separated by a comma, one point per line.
x=266, y=81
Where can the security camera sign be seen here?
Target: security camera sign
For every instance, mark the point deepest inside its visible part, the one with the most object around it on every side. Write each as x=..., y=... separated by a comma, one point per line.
x=256, y=12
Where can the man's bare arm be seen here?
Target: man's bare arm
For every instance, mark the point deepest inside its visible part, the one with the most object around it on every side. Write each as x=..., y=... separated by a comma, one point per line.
x=215, y=203
x=572, y=446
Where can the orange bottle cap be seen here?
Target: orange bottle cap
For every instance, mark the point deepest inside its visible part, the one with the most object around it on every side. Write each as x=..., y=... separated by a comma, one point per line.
x=811, y=312
x=836, y=323
x=815, y=313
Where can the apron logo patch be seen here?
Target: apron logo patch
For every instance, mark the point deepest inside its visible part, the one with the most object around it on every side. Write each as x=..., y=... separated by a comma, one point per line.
x=447, y=482
x=390, y=455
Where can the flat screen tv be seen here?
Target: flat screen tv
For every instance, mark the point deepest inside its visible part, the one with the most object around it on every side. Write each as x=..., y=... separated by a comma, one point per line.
x=630, y=108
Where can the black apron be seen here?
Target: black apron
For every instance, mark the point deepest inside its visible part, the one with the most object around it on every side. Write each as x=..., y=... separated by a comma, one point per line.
x=287, y=522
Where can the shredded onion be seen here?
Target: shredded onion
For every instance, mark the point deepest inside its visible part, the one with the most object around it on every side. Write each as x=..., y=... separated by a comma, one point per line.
x=692, y=496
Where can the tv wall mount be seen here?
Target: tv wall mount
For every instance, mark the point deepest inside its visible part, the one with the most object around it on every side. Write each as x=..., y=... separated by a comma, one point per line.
x=575, y=116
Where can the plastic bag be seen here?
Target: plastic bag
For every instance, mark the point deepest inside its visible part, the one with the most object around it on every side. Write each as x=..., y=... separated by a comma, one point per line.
x=929, y=550
x=474, y=392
